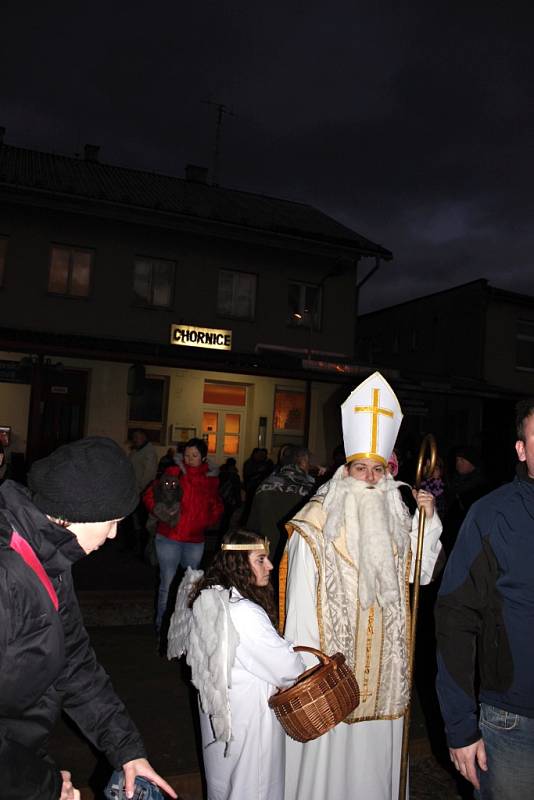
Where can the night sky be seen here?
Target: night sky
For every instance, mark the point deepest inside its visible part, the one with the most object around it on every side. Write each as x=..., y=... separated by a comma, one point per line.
x=411, y=123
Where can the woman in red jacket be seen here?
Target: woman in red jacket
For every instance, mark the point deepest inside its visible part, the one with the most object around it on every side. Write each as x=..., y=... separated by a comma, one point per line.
x=200, y=507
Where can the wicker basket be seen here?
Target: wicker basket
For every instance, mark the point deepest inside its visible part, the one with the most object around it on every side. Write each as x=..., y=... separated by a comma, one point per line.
x=321, y=698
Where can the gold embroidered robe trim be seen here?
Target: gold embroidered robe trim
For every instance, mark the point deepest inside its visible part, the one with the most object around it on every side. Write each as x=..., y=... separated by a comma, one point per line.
x=374, y=641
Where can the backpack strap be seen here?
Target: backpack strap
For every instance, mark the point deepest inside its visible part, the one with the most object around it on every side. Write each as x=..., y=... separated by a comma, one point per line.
x=26, y=552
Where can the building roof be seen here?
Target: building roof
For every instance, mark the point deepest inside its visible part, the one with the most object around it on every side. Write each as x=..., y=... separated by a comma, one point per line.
x=479, y=283
x=86, y=178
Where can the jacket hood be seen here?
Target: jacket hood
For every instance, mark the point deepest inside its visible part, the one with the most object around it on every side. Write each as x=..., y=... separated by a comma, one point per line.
x=56, y=547
x=207, y=467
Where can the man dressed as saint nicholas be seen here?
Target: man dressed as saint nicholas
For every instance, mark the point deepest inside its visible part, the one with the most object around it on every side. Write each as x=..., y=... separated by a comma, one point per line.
x=351, y=555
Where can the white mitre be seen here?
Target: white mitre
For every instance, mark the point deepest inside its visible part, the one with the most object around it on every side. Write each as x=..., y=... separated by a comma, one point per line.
x=371, y=418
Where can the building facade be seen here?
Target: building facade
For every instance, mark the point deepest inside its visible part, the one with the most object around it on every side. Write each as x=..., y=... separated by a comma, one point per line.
x=464, y=357
x=130, y=299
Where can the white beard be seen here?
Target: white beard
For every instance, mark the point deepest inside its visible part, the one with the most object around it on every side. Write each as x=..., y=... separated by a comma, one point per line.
x=376, y=524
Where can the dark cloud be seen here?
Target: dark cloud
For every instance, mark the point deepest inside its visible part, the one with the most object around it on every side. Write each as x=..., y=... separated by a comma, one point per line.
x=415, y=126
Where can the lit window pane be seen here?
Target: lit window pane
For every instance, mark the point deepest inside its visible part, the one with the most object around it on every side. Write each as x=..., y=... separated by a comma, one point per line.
x=236, y=294
x=289, y=410
x=162, y=278
x=232, y=429
x=81, y=274
x=304, y=304
x=293, y=299
x=142, y=280
x=245, y=295
x=225, y=394
x=154, y=281
x=58, y=279
x=209, y=430
x=231, y=445
x=232, y=423
x=225, y=292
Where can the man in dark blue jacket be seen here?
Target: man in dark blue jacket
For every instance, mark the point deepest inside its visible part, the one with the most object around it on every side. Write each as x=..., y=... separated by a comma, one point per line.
x=485, y=632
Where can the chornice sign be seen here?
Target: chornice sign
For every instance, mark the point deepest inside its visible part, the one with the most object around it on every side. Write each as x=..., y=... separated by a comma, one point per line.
x=212, y=338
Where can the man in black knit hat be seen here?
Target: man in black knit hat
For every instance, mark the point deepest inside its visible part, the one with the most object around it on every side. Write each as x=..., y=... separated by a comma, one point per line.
x=76, y=497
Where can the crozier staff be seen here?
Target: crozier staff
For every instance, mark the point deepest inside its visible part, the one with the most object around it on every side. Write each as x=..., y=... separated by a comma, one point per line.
x=224, y=620
x=349, y=565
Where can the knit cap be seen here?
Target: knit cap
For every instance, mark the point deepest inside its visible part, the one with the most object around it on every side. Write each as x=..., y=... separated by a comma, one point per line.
x=91, y=480
x=469, y=453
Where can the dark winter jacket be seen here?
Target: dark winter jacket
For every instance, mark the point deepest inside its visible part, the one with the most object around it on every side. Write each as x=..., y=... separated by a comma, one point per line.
x=485, y=612
x=276, y=500
x=200, y=506
x=46, y=661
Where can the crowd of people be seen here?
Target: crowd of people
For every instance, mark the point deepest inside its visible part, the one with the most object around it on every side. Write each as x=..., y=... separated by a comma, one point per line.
x=323, y=560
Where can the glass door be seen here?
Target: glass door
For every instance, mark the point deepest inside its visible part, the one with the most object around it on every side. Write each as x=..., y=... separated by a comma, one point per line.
x=222, y=431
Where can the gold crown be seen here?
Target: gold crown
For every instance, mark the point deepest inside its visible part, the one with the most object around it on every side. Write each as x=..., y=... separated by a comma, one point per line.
x=265, y=545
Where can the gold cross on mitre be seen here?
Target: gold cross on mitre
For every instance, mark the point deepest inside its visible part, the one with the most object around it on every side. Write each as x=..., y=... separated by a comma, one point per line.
x=371, y=417
x=375, y=410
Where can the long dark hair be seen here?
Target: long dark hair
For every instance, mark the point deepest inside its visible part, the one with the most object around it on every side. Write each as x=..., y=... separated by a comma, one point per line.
x=231, y=568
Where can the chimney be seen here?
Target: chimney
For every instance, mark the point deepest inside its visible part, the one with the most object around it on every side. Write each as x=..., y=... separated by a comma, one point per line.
x=90, y=152
x=2, y=134
x=196, y=174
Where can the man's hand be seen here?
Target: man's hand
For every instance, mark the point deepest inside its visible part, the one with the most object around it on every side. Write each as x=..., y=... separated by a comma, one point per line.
x=68, y=792
x=465, y=759
x=140, y=766
x=424, y=500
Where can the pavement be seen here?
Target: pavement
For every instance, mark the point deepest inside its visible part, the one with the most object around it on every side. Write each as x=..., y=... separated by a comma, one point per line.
x=116, y=590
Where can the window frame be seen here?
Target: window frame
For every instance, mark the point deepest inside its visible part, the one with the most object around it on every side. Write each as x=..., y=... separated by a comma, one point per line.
x=229, y=315
x=72, y=248
x=152, y=427
x=523, y=337
x=4, y=245
x=308, y=321
x=139, y=303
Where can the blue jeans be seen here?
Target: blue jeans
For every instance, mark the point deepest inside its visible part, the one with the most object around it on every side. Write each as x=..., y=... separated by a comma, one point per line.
x=171, y=555
x=509, y=742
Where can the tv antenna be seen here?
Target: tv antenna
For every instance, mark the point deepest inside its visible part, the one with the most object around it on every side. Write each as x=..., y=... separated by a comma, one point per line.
x=222, y=109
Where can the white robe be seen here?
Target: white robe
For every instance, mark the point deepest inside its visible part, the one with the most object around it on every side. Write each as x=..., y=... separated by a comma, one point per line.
x=361, y=760
x=253, y=767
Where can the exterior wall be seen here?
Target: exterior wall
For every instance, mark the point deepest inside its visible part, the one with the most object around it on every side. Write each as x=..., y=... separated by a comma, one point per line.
x=110, y=313
x=107, y=402
x=500, y=366
x=15, y=408
x=325, y=419
x=441, y=334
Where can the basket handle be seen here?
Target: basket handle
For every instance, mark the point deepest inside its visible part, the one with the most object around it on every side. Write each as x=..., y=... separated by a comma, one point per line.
x=323, y=658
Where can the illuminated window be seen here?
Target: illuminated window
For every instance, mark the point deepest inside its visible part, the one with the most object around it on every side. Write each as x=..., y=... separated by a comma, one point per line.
x=289, y=411
x=304, y=305
x=225, y=394
x=210, y=427
x=70, y=271
x=236, y=294
x=3, y=253
x=232, y=432
x=154, y=282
